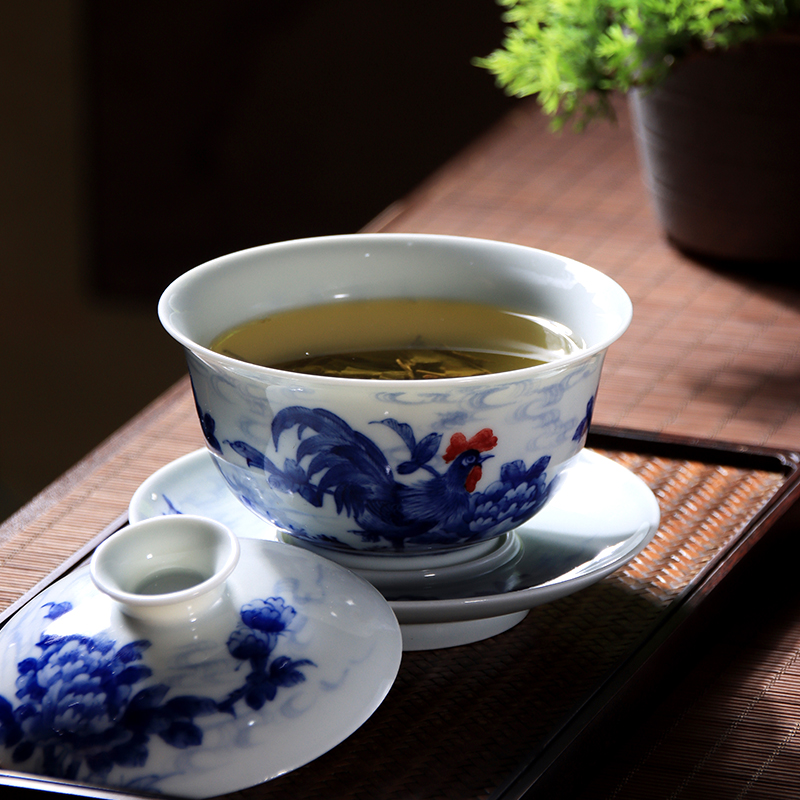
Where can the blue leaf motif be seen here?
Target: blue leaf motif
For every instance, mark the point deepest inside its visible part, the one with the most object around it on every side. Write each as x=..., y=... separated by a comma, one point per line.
x=260, y=689
x=207, y=424
x=148, y=698
x=189, y=706
x=182, y=734
x=57, y=609
x=131, y=675
x=583, y=425
x=133, y=651
x=407, y=467
x=427, y=448
x=421, y=454
x=402, y=429
x=285, y=672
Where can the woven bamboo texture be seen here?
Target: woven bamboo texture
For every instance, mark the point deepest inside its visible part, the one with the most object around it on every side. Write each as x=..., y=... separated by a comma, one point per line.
x=730, y=730
x=731, y=726
x=710, y=354
x=67, y=517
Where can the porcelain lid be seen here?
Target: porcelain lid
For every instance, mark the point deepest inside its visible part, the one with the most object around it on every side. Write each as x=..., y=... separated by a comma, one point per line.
x=294, y=657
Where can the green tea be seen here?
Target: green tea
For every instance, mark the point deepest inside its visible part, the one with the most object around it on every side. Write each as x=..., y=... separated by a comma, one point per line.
x=391, y=339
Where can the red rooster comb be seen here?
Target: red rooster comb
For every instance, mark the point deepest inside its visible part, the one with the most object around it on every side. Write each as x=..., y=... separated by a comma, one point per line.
x=482, y=441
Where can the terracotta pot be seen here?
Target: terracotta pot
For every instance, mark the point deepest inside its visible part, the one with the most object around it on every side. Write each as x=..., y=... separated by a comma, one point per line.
x=719, y=142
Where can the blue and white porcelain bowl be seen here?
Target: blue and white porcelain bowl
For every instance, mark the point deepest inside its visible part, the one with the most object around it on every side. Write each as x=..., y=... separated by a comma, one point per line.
x=393, y=467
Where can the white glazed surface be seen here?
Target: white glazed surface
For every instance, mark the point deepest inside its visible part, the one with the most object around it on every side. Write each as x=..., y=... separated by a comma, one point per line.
x=293, y=657
x=254, y=418
x=601, y=516
x=139, y=554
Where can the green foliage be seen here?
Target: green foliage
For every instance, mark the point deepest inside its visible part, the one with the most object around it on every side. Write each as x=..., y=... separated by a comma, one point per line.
x=573, y=53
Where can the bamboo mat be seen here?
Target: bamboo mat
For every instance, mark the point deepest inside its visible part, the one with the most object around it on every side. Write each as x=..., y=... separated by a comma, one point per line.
x=731, y=727
x=730, y=732
x=709, y=353
x=67, y=518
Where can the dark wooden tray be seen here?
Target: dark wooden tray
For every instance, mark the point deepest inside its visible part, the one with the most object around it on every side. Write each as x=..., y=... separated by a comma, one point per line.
x=512, y=716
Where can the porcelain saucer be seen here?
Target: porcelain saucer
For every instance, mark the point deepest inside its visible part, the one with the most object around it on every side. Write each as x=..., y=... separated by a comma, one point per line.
x=600, y=518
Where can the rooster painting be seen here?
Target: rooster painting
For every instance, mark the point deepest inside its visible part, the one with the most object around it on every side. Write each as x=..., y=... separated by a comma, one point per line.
x=435, y=506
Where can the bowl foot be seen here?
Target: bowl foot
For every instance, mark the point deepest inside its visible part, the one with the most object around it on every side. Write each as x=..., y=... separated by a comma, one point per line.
x=406, y=574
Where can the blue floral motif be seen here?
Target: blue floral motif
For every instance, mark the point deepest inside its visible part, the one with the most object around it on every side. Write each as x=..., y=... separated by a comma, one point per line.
x=583, y=425
x=85, y=706
x=254, y=640
x=333, y=460
x=207, y=424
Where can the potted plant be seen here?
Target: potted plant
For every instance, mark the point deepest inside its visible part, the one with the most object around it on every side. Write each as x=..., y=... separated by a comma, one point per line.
x=715, y=92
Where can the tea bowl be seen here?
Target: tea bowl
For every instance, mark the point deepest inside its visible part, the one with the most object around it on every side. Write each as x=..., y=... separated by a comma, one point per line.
x=393, y=467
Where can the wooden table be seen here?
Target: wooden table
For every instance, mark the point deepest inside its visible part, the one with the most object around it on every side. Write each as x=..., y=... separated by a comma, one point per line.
x=711, y=354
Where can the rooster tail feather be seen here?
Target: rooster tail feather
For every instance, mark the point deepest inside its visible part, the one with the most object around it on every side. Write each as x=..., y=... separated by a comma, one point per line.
x=323, y=422
x=351, y=498
x=327, y=461
x=402, y=429
x=349, y=494
x=421, y=452
x=332, y=441
x=366, y=464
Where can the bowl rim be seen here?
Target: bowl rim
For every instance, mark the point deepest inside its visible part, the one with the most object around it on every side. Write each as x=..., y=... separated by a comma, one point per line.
x=228, y=362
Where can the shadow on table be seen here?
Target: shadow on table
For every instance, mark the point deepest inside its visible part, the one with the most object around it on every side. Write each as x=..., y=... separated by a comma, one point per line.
x=771, y=278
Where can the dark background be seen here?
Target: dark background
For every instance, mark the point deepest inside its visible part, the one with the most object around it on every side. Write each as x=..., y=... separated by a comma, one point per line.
x=138, y=139
x=217, y=126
